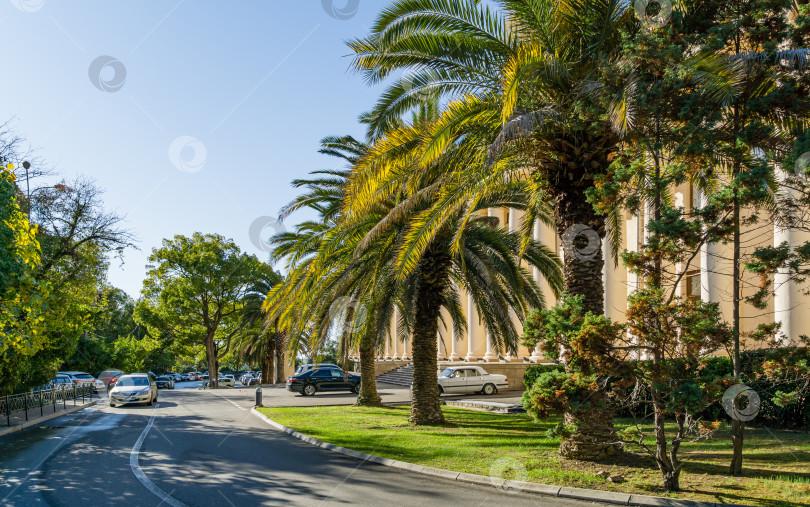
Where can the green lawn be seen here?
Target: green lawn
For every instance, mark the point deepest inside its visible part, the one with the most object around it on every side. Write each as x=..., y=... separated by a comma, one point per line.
x=777, y=463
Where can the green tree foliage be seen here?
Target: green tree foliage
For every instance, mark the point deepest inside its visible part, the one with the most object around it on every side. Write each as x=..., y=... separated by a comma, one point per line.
x=194, y=293
x=21, y=294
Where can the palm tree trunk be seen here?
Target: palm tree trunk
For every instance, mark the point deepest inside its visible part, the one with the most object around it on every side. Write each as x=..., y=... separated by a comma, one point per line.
x=267, y=357
x=279, y=339
x=368, y=383
x=434, y=276
x=582, y=231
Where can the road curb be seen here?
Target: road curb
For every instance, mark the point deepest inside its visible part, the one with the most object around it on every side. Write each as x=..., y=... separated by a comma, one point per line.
x=45, y=418
x=591, y=495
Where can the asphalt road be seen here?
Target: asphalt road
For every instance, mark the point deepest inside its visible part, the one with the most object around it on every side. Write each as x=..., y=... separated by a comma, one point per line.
x=202, y=448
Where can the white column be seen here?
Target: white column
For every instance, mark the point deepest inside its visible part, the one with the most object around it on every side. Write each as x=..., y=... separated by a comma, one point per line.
x=537, y=354
x=490, y=353
x=439, y=345
x=782, y=285
x=513, y=226
x=395, y=337
x=453, y=352
x=605, y=286
x=404, y=356
x=470, y=329
x=708, y=279
x=632, y=278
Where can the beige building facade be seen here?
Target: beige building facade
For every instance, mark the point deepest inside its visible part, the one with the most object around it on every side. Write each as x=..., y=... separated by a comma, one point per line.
x=707, y=277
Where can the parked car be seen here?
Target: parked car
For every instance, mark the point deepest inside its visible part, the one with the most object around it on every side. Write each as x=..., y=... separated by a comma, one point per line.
x=61, y=381
x=134, y=388
x=251, y=381
x=100, y=386
x=323, y=379
x=470, y=379
x=195, y=375
x=307, y=367
x=226, y=381
x=164, y=382
x=79, y=377
x=107, y=375
x=245, y=378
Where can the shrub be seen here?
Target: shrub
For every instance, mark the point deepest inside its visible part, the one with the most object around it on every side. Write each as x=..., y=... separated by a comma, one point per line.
x=534, y=371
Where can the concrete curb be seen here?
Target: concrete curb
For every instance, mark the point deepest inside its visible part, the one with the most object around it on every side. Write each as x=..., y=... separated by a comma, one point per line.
x=591, y=495
x=45, y=418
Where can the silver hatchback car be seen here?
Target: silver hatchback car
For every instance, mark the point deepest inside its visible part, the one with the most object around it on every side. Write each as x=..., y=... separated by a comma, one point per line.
x=134, y=388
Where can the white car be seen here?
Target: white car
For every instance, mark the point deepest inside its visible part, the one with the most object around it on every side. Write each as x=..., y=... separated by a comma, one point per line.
x=470, y=379
x=226, y=380
x=134, y=388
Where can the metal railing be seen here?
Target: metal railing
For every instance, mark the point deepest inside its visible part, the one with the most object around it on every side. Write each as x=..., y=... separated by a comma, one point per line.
x=43, y=400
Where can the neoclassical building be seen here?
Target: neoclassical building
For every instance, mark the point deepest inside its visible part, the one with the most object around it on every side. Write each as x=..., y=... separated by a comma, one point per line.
x=708, y=277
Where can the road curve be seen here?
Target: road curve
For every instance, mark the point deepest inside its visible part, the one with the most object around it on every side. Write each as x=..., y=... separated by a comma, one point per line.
x=204, y=449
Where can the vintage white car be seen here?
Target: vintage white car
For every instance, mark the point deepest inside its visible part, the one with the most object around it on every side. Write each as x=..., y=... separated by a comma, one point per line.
x=470, y=379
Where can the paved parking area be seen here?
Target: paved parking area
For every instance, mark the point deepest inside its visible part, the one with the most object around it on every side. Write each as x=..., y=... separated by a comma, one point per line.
x=278, y=396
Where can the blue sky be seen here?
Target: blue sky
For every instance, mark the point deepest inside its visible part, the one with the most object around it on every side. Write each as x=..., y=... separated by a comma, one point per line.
x=256, y=84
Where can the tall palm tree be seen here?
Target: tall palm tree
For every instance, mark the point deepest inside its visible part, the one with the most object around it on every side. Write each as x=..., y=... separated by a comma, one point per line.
x=263, y=341
x=530, y=92
x=321, y=297
x=467, y=252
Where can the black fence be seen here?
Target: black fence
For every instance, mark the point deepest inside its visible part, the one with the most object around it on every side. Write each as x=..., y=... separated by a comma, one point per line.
x=38, y=402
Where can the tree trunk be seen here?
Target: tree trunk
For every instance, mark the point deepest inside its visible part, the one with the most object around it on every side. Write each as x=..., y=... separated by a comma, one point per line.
x=211, y=356
x=582, y=275
x=268, y=357
x=279, y=338
x=737, y=427
x=434, y=276
x=368, y=383
x=595, y=438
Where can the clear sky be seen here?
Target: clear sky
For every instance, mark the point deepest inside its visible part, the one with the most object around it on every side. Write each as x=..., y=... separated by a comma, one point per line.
x=192, y=115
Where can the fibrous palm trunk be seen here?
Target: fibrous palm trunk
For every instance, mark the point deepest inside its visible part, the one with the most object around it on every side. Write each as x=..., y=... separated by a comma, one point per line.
x=279, y=339
x=582, y=231
x=434, y=276
x=268, y=357
x=368, y=383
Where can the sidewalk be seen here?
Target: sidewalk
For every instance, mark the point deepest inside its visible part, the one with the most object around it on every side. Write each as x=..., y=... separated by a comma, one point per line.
x=37, y=415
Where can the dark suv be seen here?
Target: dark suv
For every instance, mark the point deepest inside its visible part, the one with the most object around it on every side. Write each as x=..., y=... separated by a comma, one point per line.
x=323, y=379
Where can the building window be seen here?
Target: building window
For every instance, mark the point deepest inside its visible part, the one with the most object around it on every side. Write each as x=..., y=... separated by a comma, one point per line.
x=692, y=285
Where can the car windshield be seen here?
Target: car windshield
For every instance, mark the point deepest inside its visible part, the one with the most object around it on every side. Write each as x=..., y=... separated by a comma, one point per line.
x=162, y=378
x=447, y=372
x=83, y=375
x=132, y=381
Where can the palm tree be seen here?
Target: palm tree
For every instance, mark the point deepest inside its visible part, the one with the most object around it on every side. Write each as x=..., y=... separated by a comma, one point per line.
x=262, y=341
x=314, y=299
x=468, y=252
x=529, y=92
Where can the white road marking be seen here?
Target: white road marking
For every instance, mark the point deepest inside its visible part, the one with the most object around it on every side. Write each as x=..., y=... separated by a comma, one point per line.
x=136, y=468
x=231, y=402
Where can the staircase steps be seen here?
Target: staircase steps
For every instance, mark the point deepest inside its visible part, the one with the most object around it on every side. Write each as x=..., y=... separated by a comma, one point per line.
x=402, y=376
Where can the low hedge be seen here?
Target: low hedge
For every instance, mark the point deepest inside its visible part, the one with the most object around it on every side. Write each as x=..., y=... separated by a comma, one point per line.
x=795, y=414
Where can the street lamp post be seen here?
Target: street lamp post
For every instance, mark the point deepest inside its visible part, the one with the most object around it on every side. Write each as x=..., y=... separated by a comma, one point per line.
x=27, y=165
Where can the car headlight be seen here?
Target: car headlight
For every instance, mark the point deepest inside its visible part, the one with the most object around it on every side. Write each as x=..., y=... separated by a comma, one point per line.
x=143, y=391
